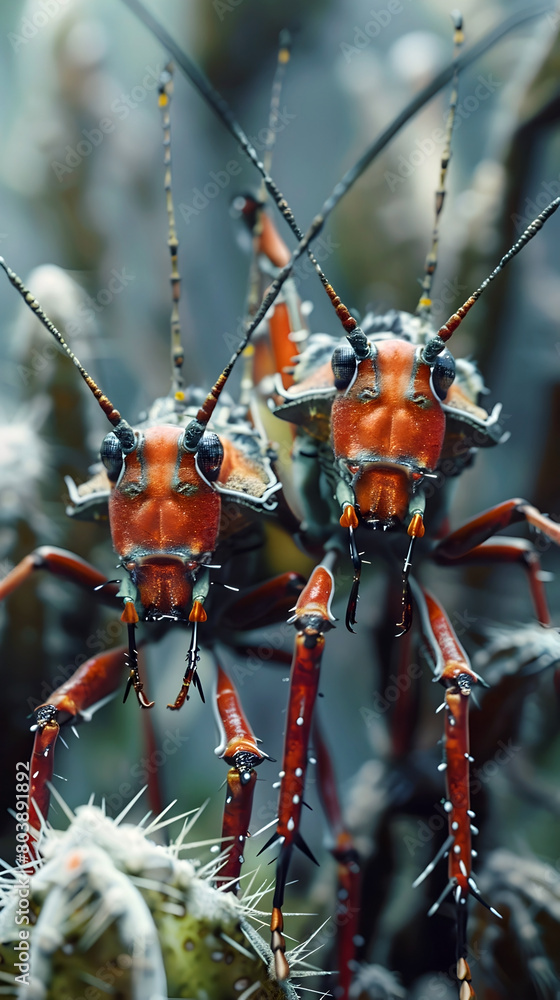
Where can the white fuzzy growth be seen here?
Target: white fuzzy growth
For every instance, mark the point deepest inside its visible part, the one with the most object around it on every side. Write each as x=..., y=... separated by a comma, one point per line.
x=120, y=902
x=95, y=872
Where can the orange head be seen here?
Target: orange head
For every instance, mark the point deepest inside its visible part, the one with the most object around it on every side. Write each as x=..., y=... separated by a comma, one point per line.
x=388, y=424
x=164, y=514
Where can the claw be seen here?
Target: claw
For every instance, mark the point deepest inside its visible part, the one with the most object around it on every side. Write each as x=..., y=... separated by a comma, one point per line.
x=357, y=564
x=191, y=675
x=134, y=676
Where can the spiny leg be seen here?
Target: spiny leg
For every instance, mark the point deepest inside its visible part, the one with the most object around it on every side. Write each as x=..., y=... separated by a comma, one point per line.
x=240, y=789
x=238, y=747
x=349, y=877
x=40, y=772
x=312, y=618
x=453, y=670
x=94, y=682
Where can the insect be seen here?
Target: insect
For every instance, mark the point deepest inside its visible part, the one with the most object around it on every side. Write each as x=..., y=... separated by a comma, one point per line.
x=387, y=436
x=364, y=359
x=161, y=483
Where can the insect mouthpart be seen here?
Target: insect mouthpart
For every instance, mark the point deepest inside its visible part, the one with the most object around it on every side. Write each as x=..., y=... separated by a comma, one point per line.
x=383, y=492
x=375, y=524
x=165, y=584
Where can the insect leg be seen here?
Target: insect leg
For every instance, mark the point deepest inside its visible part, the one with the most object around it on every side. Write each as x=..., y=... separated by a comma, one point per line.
x=41, y=771
x=478, y=529
x=62, y=563
x=312, y=618
x=266, y=604
x=500, y=551
x=348, y=862
x=286, y=327
x=77, y=699
x=455, y=673
x=238, y=747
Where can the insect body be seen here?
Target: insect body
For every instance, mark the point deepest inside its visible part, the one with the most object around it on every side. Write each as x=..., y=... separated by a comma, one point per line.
x=377, y=419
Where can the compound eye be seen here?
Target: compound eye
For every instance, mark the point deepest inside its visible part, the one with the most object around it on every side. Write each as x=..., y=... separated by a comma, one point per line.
x=111, y=456
x=343, y=365
x=443, y=374
x=209, y=456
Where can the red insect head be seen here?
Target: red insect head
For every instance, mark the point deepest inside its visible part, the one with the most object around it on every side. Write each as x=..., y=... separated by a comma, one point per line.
x=164, y=514
x=388, y=426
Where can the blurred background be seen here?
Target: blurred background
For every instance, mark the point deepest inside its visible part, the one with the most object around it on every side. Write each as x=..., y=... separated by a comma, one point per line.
x=81, y=187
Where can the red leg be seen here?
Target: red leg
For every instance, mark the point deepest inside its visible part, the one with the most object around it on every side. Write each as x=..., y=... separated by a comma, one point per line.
x=41, y=772
x=348, y=867
x=60, y=563
x=465, y=544
x=95, y=680
x=238, y=747
x=235, y=824
x=285, y=318
x=404, y=715
x=479, y=528
x=312, y=618
x=502, y=551
x=266, y=604
x=458, y=678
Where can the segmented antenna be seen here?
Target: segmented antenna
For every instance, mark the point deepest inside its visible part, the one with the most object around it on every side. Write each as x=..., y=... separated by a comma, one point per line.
x=121, y=427
x=177, y=352
x=436, y=345
x=253, y=293
x=424, y=307
x=224, y=113
x=354, y=334
x=220, y=107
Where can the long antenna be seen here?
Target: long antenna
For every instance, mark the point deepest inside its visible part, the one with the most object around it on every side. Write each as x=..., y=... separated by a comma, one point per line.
x=221, y=108
x=177, y=352
x=253, y=292
x=424, y=307
x=226, y=116
x=436, y=345
x=121, y=427
x=355, y=335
